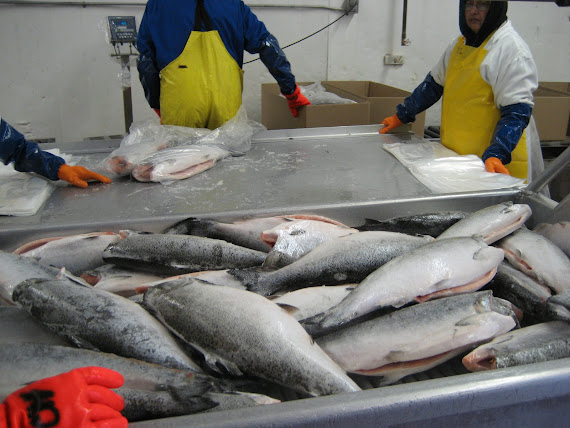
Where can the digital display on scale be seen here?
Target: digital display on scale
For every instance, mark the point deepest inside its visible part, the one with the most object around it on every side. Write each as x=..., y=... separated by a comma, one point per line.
x=123, y=29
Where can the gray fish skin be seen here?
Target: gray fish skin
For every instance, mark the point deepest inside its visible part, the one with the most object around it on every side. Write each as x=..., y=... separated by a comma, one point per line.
x=436, y=269
x=177, y=254
x=432, y=224
x=540, y=342
x=76, y=253
x=527, y=294
x=97, y=319
x=16, y=268
x=398, y=339
x=247, y=334
x=492, y=223
x=342, y=260
x=539, y=258
x=151, y=391
x=559, y=233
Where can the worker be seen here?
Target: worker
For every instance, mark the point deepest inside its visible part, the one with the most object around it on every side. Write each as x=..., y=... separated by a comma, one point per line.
x=487, y=78
x=191, y=54
x=28, y=157
x=80, y=398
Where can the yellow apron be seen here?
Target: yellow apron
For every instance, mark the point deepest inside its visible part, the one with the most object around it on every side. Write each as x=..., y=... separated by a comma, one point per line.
x=469, y=114
x=202, y=87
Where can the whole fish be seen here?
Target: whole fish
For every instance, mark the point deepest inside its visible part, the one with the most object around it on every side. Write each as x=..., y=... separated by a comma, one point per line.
x=437, y=269
x=526, y=293
x=539, y=258
x=177, y=163
x=114, y=279
x=97, y=319
x=341, y=260
x=77, y=253
x=411, y=339
x=492, y=223
x=292, y=240
x=16, y=268
x=176, y=254
x=150, y=391
x=432, y=224
x=245, y=233
x=540, y=342
x=310, y=301
x=558, y=233
x=246, y=334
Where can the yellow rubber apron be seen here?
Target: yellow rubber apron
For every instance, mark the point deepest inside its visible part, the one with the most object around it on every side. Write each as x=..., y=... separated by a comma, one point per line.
x=469, y=114
x=201, y=88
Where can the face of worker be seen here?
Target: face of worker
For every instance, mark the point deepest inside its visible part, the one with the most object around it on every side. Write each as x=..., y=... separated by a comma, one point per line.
x=475, y=14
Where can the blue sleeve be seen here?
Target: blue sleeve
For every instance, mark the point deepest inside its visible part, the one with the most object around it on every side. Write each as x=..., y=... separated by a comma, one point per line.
x=424, y=96
x=27, y=157
x=510, y=127
x=276, y=62
x=147, y=67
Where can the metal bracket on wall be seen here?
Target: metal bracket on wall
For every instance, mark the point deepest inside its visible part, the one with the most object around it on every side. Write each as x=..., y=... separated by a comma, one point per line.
x=350, y=6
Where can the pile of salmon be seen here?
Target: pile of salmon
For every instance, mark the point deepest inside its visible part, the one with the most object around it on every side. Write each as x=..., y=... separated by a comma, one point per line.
x=212, y=315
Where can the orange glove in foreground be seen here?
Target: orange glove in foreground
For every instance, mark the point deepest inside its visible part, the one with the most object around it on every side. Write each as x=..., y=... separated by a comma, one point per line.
x=296, y=100
x=390, y=123
x=157, y=111
x=78, y=175
x=76, y=399
x=495, y=165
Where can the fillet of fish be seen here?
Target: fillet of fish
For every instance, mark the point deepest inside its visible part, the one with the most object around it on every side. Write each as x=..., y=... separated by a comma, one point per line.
x=246, y=334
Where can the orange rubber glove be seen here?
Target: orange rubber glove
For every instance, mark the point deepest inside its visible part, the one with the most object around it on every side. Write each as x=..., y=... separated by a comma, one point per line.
x=78, y=175
x=296, y=100
x=495, y=165
x=80, y=398
x=390, y=123
x=157, y=111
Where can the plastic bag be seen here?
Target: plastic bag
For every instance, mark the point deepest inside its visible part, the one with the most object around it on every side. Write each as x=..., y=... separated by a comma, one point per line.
x=444, y=171
x=317, y=94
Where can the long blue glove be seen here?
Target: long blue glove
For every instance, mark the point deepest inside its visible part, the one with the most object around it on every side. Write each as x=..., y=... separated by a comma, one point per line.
x=510, y=127
x=27, y=156
x=424, y=96
x=277, y=64
x=150, y=80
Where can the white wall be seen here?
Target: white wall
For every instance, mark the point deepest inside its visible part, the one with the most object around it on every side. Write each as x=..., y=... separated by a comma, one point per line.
x=57, y=79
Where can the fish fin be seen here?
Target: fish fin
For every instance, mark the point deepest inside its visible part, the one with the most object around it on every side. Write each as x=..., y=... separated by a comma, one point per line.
x=221, y=365
x=192, y=226
x=252, y=278
x=369, y=222
x=290, y=309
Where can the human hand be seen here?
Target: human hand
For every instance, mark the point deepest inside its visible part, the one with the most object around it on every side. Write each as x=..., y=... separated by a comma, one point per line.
x=296, y=100
x=80, y=398
x=78, y=175
x=495, y=165
x=390, y=123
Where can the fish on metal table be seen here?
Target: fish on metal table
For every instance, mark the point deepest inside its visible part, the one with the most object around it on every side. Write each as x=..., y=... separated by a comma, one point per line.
x=434, y=270
x=97, y=319
x=292, y=240
x=244, y=232
x=150, y=391
x=416, y=338
x=432, y=224
x=246, y=333
x=535, y=343
x=538, y=257
x=492, y=223
x=166, y=254
x=342, y=260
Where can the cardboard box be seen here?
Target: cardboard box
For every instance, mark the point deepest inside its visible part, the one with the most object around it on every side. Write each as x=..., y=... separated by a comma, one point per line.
x=383, y=101
x=552, y=111
x=275, y=113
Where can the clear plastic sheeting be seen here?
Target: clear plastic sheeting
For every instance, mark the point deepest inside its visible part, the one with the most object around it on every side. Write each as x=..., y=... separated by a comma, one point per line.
x=144, y=141
x=317, y=94
x=444, y=171
x=22, y=194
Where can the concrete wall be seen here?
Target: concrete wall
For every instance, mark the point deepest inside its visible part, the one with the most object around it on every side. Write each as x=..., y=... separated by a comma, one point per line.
x=58, y=80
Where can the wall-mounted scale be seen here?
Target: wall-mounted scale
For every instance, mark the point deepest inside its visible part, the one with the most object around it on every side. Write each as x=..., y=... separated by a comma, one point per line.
x=123, y=38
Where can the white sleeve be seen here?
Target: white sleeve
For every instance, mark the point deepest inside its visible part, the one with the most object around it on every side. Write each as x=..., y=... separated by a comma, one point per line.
x=510, y=70
x=439, y=70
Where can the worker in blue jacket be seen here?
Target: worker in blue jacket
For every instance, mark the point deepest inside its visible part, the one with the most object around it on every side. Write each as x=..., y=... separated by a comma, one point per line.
x=27, y=157
x=191, y=57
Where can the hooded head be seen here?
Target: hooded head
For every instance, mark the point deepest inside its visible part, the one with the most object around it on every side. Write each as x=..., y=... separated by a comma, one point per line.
x=496, y=15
